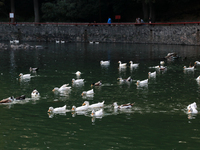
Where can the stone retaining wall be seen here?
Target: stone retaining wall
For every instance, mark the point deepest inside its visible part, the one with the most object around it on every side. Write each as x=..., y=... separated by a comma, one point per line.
x=158, y=34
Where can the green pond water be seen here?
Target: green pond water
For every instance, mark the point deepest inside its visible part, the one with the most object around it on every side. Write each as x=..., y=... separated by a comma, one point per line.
x=158, y=120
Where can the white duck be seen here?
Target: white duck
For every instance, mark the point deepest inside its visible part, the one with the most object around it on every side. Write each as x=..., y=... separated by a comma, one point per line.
x=192, y=108
x=198, y=79
x=122, y=64
x=105, y=62
x=197, y=62
x=124, y=106
x=77, y=81
x=24, y=75
x=125, y=80
x=133, y=65
x=16, y=41
x=80, y=108
x=57, y=110
x=98, y=113
x=188, y=68
x=162, y=62
x=89, y=92
x=192, y=105
x=162, y=67
x=33, y=69
x=142, y=83
x=156, y=67
x=96, y=105
x=35, y=93
x=62, y=41
x=64, y=87
x=152, y=74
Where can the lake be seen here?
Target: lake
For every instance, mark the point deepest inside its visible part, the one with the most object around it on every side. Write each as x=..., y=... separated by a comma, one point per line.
x=157, y=120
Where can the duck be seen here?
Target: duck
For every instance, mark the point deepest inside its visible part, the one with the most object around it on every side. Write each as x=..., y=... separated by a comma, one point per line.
x=192, y=108
x=142, y=83
x=107, y=62
x=124, y=106
x=64, y=87
x=156, y=67
x=80, y=108
x=98, y=113
x=33, y=69
x=172, y=56
x=192, y=105
x=125, y=80
x=122, y=64
x=133, y=65
x=57, y=110
x=96, y=105
x=62, y=41
x=8, y=100
x=91, y=42
x=35, y=93
x=198, y=79
x=197, y=63
x=162, y=67
x=77, y=81
x=22, y=97
x=57, y=41
x=96, y=42
x=16, y=41
x=152, y=74
x=24, y=75
x=99, y=83
x=78, y=73
x=190, y=68
x=162, y=62
x=89, y=92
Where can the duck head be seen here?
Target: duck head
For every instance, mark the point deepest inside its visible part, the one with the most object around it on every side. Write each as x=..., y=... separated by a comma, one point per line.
x=73, y=108
x=93, y=113
x=50, y=109
x=55, y=89
x=21, y=74
x=85, y=103
x=84, y=93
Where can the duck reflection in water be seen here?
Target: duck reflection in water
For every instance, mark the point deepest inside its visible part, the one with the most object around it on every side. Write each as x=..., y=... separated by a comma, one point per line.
x=192, y=116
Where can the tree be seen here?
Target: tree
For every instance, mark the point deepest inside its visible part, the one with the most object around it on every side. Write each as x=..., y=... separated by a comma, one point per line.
x=36, y=11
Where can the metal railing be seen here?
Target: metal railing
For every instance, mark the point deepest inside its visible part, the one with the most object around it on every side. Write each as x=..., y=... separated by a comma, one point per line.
x=96, y=24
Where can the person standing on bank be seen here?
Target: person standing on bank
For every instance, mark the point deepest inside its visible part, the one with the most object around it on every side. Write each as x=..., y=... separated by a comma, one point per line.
x=109, y=21
x=149, y=20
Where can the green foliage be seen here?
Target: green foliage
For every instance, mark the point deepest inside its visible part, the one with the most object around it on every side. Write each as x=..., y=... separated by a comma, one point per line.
x=69, y=10
x=96, y=10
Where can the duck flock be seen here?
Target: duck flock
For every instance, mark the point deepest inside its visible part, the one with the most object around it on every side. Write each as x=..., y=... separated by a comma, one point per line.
x=96, y=109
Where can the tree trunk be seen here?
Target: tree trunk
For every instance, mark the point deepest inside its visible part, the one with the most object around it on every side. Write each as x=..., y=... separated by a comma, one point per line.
x=152, y=11
x=12, y=2
x=36, y=11
x=145, y=10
